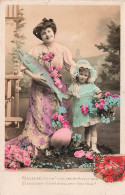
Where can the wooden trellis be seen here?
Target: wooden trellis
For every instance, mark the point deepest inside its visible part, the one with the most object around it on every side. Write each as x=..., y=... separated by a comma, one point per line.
x=12, y=14
x=9, y=119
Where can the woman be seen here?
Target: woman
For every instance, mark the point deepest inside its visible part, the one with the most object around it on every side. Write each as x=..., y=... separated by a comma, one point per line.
x=43, y=101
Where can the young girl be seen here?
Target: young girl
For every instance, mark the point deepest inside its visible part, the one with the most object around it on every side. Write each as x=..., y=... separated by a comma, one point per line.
x=82, y=89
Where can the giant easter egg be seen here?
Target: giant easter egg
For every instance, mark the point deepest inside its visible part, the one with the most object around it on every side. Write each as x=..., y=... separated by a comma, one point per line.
x=61, y=137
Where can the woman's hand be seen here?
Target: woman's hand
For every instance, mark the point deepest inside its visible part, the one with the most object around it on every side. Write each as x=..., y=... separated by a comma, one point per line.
x=38, y=77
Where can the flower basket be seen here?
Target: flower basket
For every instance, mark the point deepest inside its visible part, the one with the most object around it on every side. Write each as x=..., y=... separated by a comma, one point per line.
x=104, y=107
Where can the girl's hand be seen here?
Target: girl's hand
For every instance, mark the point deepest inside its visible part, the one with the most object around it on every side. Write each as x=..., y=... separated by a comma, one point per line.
x=38, y=77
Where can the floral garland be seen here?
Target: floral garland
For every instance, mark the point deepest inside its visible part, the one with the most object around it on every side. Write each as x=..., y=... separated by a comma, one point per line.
x=103, y=107
x=54, y=70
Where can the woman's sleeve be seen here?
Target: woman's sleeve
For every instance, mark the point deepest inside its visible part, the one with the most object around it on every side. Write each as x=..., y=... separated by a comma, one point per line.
x=68, y=61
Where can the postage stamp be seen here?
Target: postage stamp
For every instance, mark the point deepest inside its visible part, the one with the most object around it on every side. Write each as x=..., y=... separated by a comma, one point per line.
x=110, y=168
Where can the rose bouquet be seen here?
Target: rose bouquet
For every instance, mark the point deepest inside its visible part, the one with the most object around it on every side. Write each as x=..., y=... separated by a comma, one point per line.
x=102, y=107
x=59, y=119
x=53, y=70
x=16, y=157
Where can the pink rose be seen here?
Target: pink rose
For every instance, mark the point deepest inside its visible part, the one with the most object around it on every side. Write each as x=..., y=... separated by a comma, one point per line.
x=59, y=67
x=51, y=56
x=65, y=123
x=60, y=86
x=101, y=106
x=55, y=115
x=18, y=165
x=107, y=94
x=30, y=149
x=89, y=155
x=96, y=105
x=84, y=109
x=8, y=148
x=48, y=57
x=60, y=118
x=79, y=154
x=102, y=101
x=27, y=162
x=54, y=73
x=12, y=169
x=115, y=96
x=57, y=82
x=50, y=68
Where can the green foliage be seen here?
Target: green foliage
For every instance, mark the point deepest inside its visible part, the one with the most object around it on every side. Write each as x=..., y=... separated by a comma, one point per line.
x=18, y=40
x=112, y=49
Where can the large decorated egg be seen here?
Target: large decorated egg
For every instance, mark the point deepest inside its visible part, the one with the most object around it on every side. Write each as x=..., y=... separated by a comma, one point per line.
x=61, y=137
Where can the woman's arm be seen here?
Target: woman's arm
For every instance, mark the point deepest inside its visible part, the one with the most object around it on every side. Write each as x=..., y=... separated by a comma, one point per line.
x=37, y=77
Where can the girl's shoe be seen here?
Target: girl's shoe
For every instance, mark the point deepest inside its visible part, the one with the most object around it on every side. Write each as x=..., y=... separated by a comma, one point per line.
x=94, y=145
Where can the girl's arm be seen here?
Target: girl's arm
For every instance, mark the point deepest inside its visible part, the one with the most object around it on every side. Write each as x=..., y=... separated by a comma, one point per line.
x=98, y=94
x=69, y=96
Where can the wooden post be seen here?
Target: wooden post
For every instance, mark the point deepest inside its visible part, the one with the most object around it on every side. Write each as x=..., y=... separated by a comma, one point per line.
x=9, y=96
x=16, y=94
x=8, y=11
x=12, y=10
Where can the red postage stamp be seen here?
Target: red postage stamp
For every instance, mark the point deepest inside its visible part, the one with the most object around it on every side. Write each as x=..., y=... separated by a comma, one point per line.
x=109, y=168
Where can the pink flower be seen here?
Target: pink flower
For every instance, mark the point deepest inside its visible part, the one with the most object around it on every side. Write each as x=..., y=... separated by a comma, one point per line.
x=12, y=169
x=84, y=109
x=66, y=124
x=48, y=57
x=102, y=101
x=57, y=82
x=8, y=148
x=30, y=149
x=107, y=94
x=59, y=67
x=96, y=105
x=55, y=115
x=54, y=73
x=18, y=165
x=60, y=118
x=101, y=106
x=36, y=151
x=60, y=86
x=89, y=155
x=79, y=154
x=50, y=68
x=115, y=96
x=27, y=162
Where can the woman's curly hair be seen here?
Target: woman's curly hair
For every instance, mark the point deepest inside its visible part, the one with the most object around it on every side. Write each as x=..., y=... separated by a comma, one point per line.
x=44, y=25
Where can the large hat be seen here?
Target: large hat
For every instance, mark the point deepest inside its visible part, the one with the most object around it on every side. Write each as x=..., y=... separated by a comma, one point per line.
x=85, y=64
